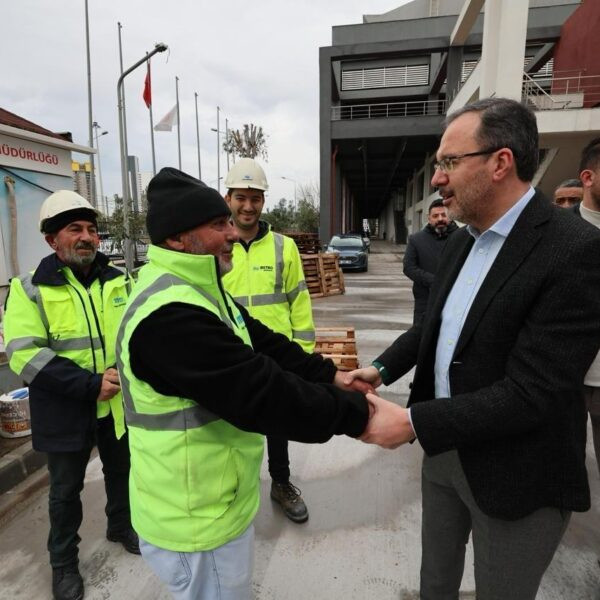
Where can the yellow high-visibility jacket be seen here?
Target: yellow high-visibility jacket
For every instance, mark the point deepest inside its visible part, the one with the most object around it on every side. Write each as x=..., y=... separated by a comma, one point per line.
x=268, y=280
x=60, y=338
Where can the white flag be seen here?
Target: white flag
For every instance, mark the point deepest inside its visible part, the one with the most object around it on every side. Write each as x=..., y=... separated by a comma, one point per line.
x=167, y=122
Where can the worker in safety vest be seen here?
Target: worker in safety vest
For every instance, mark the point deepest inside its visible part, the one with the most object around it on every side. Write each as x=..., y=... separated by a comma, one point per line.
x=199, y=375
x=268, y=280
x=60, y=330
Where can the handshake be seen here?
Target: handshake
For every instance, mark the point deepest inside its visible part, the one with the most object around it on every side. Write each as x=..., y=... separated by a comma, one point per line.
x=389, y=425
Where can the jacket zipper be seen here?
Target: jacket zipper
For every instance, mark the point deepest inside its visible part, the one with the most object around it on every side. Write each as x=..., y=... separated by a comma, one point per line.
x=89, y=291
x=220, y=286
x=87, y=319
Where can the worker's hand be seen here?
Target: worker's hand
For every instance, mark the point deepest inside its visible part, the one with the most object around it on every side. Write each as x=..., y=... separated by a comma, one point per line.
x=110, y=385
x=366, y=379
x=389, y=426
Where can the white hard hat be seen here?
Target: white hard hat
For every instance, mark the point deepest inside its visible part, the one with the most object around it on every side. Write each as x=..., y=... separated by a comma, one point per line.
x=60, y=202
x=246, y=173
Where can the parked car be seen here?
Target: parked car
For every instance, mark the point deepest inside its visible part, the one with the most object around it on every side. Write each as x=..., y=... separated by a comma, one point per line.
x=353, y=254
x=364, y=236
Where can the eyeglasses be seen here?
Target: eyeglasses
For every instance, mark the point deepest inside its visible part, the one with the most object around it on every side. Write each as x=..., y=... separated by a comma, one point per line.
x=447, y=164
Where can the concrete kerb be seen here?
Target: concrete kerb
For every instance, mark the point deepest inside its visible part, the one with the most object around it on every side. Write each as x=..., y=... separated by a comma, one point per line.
x=21, y=475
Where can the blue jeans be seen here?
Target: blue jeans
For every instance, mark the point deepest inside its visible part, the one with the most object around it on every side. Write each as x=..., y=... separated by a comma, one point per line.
x=224, y=573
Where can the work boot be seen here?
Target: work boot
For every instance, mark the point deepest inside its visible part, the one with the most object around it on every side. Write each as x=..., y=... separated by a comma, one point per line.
x=128, y=538
x=288, y=496
x=67, y=583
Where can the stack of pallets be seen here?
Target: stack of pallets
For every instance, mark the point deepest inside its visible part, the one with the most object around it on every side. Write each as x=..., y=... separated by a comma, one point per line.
x=339, y=344
x=323, y=274
x=308, y=243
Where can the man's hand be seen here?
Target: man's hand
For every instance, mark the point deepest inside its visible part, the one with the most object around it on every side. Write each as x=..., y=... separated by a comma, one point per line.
x=357, y=385
x=363, y=380
x=110, y=385
x=389, y=426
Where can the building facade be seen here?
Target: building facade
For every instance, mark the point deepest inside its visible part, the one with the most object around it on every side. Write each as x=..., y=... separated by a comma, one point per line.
x=386, y=85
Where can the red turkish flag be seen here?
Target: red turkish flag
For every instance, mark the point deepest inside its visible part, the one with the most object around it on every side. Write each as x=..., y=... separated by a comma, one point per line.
x=147, y=95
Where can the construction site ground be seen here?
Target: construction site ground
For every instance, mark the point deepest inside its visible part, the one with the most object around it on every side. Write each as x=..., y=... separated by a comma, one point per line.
x=362, y=541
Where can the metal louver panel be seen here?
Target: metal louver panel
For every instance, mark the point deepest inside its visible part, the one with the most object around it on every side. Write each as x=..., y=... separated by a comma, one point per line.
x=384, y=77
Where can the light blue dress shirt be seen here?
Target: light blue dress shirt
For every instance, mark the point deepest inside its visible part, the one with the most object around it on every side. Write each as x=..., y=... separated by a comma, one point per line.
x=479, y=261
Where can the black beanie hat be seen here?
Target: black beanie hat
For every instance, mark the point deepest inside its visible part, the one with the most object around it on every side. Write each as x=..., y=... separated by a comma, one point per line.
x=179, y=202
x=57, y=222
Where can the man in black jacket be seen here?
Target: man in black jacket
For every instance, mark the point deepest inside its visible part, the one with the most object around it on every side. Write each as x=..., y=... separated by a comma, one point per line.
x=496, y=401
x=423, y=253
x=589, y=210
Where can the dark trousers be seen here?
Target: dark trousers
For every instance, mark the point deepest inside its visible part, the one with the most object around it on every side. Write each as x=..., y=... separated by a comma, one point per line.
x=279, y=460
x=67, y=472
x=510, y=556
x=592, y=401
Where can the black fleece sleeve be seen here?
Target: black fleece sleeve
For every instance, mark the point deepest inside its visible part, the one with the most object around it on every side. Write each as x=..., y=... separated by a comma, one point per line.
x=187, y=351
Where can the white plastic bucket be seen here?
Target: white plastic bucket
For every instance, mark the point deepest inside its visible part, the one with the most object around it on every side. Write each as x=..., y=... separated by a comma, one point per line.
x=15, y=418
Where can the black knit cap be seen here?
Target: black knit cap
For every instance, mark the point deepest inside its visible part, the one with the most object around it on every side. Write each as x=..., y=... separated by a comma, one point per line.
x=178, y=202
x=57, y=222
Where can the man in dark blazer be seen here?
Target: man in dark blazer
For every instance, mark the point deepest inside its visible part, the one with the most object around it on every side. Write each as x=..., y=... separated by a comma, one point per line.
x=496, y=401
x=423, y=253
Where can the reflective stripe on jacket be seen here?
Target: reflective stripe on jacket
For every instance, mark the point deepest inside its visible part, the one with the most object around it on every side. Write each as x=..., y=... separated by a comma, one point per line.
x=64, y=319
x=268, y=280
x=194, y=477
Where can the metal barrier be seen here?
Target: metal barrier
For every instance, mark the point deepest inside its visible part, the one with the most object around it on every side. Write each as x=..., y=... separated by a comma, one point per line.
x=415, y=108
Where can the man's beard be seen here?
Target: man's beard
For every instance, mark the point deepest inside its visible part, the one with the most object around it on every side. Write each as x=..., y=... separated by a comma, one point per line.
x=441, y=229
x=73, y=258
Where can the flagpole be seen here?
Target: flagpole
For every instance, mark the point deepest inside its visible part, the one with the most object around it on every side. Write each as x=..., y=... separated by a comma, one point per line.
x=178, y=121
x=151, y=119
x=198, y=136
x=218, y=154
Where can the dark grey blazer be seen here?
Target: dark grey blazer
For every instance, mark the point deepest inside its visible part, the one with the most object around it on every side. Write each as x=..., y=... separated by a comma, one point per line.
x=516, y=414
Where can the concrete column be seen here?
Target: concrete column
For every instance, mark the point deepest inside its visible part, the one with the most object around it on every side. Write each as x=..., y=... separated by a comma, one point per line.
x=325, y=85
x=454, y=70
x=503, y=48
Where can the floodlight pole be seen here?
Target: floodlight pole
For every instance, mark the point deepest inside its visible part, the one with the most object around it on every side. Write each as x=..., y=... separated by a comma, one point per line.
x=127, y=248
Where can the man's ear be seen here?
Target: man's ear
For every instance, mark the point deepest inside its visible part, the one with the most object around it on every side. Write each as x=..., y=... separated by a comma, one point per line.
x=505, y=160
x=51, y=240
x=587, y=177
x=228, y=199
x=174, y=242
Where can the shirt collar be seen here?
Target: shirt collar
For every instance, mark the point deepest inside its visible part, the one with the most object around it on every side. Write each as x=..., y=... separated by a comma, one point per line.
x=506, y=222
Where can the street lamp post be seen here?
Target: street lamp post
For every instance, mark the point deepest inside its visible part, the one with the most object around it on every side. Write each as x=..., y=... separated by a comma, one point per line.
x=218, y=132
x=96, y=135
x=127, y=249
x=294, y=182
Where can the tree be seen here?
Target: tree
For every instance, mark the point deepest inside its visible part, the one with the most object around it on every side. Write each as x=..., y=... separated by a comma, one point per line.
x=307, y=211
x=249, y=143
x=282, y=217
x=302, y=217
x=116, y=227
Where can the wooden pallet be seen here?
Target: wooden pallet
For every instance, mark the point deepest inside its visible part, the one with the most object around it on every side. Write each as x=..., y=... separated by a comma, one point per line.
x=308, y=243
x=323, y=274
x=339, y=344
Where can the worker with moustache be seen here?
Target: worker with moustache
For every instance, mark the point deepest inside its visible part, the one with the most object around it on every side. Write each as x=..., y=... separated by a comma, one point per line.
x=60, y=328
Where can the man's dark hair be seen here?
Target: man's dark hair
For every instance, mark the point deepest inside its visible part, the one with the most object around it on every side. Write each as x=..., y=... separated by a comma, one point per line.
x=506, y=123
x=590, y=156
x=567, y=183
x=436, y=204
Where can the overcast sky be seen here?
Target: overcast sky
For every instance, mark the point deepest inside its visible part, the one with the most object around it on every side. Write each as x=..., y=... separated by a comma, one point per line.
x=257, y=60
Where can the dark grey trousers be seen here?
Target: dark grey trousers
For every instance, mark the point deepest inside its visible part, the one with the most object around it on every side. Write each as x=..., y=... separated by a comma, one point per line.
x=510, y=556
x=592, y=401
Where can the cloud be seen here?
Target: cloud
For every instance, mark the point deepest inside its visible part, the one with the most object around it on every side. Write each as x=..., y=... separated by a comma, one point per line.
x=258, y=61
